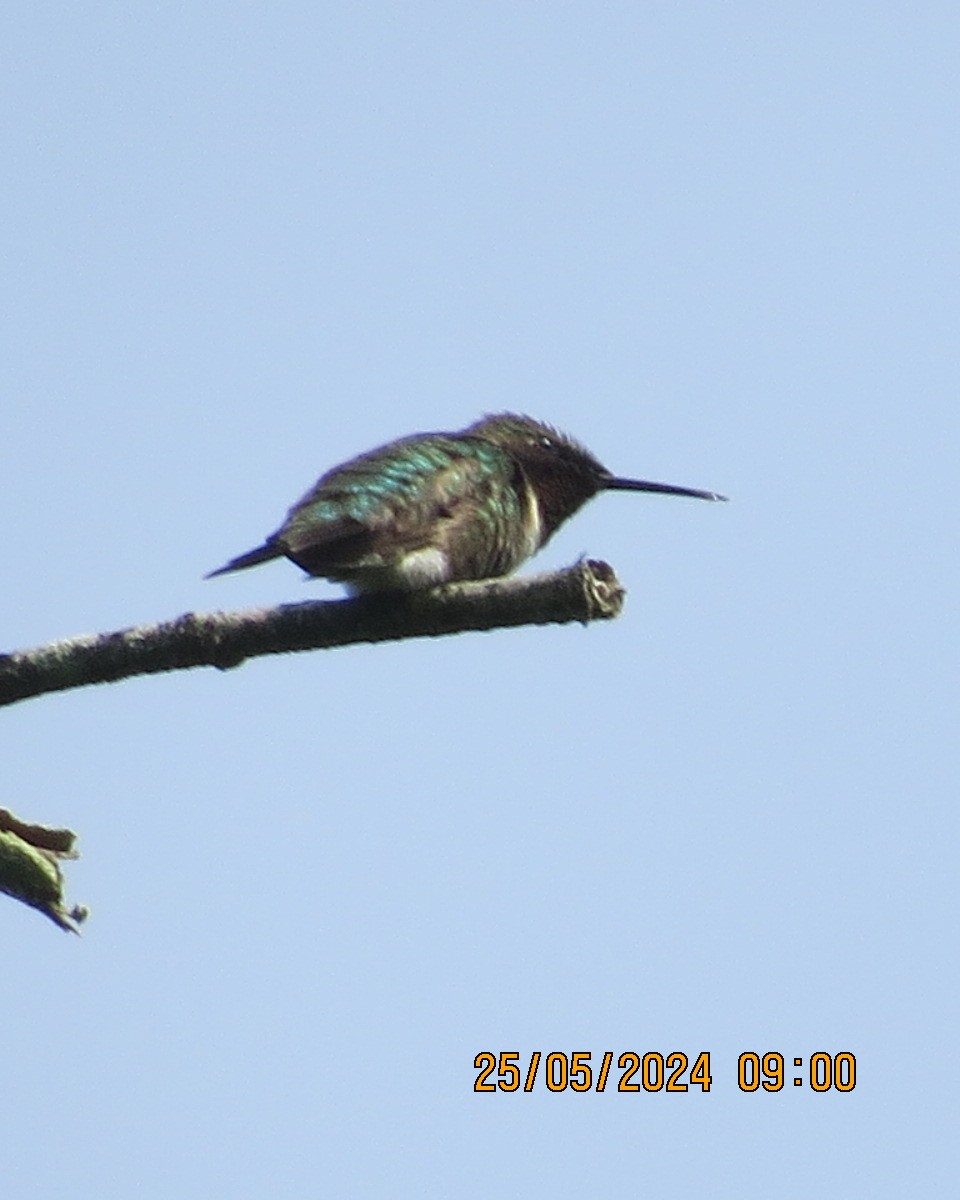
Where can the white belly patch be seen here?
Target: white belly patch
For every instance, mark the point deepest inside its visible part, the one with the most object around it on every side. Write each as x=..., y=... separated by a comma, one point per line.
x=423, y=568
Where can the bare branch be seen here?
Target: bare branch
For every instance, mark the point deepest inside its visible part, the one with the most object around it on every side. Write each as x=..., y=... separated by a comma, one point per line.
x=587, y=591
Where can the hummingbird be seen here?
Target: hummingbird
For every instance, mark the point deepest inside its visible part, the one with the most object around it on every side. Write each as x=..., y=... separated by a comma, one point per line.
x=433, y=508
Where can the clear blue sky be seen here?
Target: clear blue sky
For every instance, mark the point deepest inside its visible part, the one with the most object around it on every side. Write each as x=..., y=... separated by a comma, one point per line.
x=718, y=243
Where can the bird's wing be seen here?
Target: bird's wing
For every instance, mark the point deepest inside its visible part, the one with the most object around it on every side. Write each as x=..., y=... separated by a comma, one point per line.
x=384, y=504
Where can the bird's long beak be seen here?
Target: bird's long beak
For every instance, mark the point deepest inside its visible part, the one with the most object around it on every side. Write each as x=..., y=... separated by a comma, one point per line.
x=613, y=484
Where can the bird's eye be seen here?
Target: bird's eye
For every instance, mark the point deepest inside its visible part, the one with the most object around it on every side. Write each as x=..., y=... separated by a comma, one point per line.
x=545, y=441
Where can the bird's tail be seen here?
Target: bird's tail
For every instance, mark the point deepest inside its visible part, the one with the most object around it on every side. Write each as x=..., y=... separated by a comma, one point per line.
x=252, y=558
